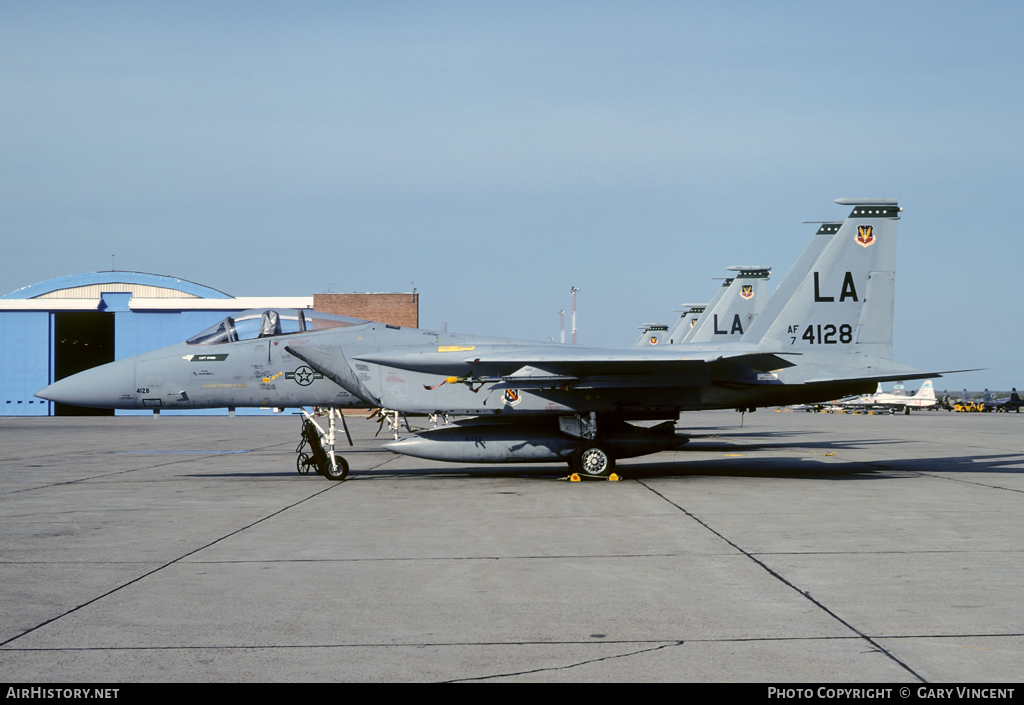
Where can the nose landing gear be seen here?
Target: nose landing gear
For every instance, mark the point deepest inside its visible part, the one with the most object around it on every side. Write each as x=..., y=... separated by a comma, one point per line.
x=321, y=456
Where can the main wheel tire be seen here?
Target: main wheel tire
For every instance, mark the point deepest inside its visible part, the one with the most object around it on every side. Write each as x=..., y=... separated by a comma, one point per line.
x=336, y=473
x=593, y=460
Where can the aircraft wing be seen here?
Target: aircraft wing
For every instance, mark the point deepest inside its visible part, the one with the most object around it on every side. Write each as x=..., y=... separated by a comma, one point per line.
x=584, y=368
x=560, y=362
x=574, y=363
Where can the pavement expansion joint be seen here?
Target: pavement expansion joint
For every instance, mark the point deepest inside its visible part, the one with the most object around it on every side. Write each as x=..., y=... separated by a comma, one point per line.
x=161, y=567
x=786, y=582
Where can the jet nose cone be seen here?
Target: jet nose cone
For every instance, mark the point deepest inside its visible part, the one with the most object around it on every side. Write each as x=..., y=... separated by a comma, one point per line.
x=109, y=386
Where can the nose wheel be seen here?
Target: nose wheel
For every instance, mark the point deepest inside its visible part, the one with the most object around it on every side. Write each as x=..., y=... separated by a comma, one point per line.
x=336, y=471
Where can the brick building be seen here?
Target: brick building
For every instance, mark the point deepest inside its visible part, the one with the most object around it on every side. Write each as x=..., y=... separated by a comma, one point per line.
x=396, y=309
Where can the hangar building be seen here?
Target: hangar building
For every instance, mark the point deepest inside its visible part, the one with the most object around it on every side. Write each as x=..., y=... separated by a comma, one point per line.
x=61, y=326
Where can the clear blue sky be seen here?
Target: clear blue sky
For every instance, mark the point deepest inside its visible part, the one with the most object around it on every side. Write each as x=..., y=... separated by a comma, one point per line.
x=494, y=154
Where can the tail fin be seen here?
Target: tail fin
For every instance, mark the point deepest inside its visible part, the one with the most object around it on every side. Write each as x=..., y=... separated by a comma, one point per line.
x=702, y=318
x=691, y=313
x=653, y=334
x=1013, y=395
x=987, y=398
x=781, y=296
x=845, y=303
x=927, y=391
x=741, y=301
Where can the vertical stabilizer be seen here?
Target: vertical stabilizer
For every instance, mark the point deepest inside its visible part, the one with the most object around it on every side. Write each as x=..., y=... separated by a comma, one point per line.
x=927, y=391
x=736, y=309
x=652, y=334
x=781, y=296
x=845, y=302
x=702, y=317
x=691, y=313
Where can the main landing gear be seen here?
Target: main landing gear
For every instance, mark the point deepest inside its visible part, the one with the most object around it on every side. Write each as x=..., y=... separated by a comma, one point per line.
x=593, y=460
x=321, y=456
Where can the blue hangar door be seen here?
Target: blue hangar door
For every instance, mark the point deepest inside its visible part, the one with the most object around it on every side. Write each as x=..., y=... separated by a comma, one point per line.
x=24, y=362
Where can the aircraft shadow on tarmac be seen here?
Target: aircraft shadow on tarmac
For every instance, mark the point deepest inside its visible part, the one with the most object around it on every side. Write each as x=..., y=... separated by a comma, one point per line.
x=731, y=464
x=813, y=461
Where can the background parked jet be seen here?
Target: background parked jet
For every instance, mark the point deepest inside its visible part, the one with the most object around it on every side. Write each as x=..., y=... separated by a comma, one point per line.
x=1012, y=404
x=529, y=402
x=967, y=403
x=991, y=404
x=896, y=401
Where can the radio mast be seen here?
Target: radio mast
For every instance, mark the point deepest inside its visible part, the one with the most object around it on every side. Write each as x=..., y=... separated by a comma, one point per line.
x=573, y=290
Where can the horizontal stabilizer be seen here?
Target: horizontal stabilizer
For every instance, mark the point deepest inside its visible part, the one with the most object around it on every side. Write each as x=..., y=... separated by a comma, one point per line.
x=897, y=377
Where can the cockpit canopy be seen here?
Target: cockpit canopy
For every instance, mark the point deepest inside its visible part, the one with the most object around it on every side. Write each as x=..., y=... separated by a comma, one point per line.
x=266, y=323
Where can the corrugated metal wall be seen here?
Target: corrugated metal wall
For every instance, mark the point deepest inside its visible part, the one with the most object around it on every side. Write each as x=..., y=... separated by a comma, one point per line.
x=94, y=291
x=24, y=362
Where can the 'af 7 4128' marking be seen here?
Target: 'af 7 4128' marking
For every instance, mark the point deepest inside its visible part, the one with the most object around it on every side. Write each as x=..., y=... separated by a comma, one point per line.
x=823, y=334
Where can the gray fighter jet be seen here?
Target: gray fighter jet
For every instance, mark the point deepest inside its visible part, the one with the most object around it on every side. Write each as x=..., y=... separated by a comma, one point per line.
x=990, y=403
x=829, y=336
x=1014, y=402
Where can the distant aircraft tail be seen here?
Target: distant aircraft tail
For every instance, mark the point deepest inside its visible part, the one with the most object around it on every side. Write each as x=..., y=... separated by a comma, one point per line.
x=653, y=334
x=691, y=314
x=701, y=317
x=1013, y=396
x=927, y=391
x=845, y=302
x=742, y=298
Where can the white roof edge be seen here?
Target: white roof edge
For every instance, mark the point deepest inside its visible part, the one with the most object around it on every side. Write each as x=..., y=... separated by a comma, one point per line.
x=52, y=304
x=141, y=304
x=238, y=303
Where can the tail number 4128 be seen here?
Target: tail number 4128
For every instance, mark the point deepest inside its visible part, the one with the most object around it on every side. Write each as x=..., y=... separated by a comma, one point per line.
x=826, y=334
